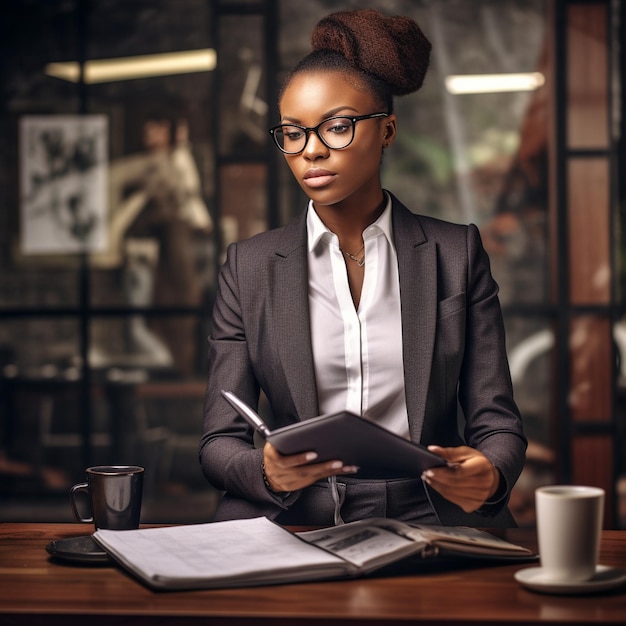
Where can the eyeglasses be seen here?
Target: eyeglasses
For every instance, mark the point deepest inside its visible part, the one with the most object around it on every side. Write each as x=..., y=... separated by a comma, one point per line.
x=335, y=133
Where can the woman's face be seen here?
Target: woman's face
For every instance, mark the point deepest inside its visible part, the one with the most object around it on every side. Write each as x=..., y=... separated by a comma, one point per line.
x=331, y=177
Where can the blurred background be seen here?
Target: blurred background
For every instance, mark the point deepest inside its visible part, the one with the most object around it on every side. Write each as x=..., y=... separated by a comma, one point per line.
x=135, y=149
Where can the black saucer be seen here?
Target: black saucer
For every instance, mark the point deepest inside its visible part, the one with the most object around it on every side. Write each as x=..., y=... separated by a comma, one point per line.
x=78, y=550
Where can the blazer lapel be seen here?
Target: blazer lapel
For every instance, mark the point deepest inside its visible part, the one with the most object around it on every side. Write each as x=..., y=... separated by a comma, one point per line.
x=417, y=267
x=291, y=314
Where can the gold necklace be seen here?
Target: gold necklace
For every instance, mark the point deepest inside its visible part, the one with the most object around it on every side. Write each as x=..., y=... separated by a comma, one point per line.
x=360, y=262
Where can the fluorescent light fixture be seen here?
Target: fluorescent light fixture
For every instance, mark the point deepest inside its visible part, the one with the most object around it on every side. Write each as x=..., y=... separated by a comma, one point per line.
x=129, y=68
x=493, y=83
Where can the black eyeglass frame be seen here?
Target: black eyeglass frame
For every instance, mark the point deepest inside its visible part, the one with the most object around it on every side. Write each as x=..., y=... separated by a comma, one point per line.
x=315, y=129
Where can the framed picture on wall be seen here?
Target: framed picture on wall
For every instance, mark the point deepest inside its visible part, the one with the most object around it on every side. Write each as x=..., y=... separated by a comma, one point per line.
x=63, y=184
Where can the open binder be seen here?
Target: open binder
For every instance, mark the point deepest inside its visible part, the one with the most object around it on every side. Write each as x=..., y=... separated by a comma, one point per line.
x=251, y=552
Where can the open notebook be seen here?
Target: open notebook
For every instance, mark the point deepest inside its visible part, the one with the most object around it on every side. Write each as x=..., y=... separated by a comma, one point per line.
x=247, y=552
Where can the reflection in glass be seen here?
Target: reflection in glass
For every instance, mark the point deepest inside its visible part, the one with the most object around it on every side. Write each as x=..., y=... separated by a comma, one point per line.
x=244, y=198
x=242, y=99
x=591, y=368
x=37, y=280
x=165, y=346
x=161, y=187
x=40, y=416
x=139, y=414
x=531, y=350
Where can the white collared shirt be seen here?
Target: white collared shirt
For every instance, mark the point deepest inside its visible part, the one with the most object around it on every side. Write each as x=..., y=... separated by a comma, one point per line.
x=357, y=353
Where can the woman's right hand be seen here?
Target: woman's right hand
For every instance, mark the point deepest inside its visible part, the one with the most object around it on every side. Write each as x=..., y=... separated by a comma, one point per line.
x=296, y=471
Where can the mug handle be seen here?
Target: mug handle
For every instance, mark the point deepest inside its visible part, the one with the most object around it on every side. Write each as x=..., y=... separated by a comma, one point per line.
x=79, y=488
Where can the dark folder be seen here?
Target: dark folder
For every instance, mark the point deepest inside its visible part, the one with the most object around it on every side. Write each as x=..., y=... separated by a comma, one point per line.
x=346, y=437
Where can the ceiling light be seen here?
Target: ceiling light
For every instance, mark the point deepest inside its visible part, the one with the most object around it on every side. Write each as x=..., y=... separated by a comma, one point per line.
x=493, y=83
x=128, y=68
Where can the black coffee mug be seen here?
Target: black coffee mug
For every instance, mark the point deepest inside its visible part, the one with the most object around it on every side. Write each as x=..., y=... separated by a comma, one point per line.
x=115, y=493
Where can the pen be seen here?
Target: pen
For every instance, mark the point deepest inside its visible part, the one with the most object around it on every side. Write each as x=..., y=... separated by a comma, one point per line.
x=251, y=416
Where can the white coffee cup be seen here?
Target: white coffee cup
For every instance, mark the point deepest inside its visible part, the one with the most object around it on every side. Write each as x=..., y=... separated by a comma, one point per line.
x=569, y=524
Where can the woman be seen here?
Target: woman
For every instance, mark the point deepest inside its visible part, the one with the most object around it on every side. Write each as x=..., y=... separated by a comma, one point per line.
x=360, y=304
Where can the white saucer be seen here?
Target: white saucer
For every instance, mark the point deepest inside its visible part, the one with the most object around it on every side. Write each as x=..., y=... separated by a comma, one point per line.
x=604, y=579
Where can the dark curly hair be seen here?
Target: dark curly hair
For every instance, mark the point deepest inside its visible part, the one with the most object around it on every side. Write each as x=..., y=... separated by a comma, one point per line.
x=389, y=54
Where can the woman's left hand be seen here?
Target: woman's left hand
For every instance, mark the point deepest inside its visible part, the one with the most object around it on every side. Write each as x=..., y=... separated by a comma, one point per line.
x=472, y=480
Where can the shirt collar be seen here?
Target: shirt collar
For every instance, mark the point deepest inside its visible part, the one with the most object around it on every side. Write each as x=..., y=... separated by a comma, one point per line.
x=317, y=230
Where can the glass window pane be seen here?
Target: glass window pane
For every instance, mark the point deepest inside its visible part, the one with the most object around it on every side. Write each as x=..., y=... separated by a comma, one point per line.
x=172, y=346
x=242, y=98
x=40, y=406
x=160, y=250
x=156, y=418
x=160, y=247
x=244, y=201
x=38, y=345
x=591, y=368
x=589, y=190
x=31, y=40
x=530, y=346
x=588, y=125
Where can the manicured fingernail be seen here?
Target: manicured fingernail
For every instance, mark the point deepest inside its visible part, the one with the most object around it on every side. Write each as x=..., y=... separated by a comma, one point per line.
x=351, y=469
x=311, y=456
x=428, y=474
x=336, y=465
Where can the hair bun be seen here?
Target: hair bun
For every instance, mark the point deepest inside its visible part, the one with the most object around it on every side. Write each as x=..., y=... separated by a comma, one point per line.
x=393, y=49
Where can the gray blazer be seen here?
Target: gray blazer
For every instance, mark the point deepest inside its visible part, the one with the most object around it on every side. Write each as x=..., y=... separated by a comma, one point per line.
x=453, y=350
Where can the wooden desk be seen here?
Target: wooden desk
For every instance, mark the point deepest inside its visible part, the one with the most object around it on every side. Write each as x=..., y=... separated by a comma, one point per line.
x=36, y=590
